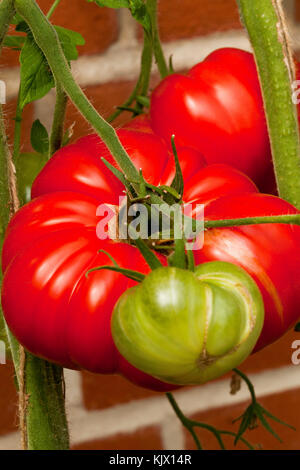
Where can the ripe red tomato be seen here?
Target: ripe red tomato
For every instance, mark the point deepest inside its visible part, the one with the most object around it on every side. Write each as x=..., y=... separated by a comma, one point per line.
x=58, y=313
x=217, y=109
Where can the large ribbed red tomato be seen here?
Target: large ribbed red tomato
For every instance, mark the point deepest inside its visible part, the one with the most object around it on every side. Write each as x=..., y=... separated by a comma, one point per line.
x=217, y=108
x=60, y=314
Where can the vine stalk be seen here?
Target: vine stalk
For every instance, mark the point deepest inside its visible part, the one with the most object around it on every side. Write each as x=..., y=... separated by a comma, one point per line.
x=266, y=26
x=40, y=384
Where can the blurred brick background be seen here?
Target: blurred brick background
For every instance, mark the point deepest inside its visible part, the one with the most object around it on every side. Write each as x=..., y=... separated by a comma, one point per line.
x=108, y=412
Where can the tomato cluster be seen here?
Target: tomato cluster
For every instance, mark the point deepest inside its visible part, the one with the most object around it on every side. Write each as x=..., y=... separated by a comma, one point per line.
x=58, y=312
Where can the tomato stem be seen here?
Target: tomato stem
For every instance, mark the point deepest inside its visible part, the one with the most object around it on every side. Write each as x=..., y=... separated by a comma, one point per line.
x=142, y=85
x=41, y=399
x=273, y=219
x=265, y=23
x=191, y=424
x=17, y=129
x=53, y=8
x=157, y=48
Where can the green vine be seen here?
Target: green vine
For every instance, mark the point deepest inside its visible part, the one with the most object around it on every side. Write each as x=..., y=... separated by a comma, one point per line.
x=254, y=413
x=265, y=23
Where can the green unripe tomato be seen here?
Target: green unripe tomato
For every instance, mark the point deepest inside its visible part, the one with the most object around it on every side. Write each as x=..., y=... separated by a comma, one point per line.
x=188, y=327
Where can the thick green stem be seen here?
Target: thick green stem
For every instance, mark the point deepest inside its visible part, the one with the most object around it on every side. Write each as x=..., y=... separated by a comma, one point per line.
x=17, y=130
x=142, y=85
x=46, y=417
x=57, y=131
x=157, y=49
x=47, y=39
x=41, y=392
x=266, y=27
x=184, y=420
x=272, y=219
x=7, y=11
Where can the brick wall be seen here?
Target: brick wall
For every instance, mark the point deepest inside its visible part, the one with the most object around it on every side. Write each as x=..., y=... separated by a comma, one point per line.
x=107, y=412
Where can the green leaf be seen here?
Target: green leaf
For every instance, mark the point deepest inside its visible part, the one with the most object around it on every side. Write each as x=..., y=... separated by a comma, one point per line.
x=111, y=3
x=117, y=173
x=150, y=258
x=28, y=166
x=178, y=182
x=137, y=8
x=246, y=420
x=69, y=41
x=17, y=19
x=134, y=275
x=14, y=42
x=297, y=328
x=39, y=138
x=36, y=76
x=264, y=422
x=140, y=14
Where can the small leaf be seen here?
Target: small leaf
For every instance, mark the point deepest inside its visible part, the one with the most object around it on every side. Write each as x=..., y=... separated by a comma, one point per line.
x=111, y=3
x=264, y=422
x=14, y=42
x=267, y=413
x=134, y=275
x=246, y=420
x=110, y=257
x=17, y=19
x=177, y=182
x=28, y=166
x=150, y=258
x=297, y=328
x=117, y=173
x=69, y=41
x=39, y=138
x=36, y=76
x=140, y=13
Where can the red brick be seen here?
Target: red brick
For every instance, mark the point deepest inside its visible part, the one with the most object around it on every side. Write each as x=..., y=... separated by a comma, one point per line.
x=103, y=391
x=10, y=58
x=276, y=355
x=297, y=9
x=105, y=98
x=8, y=399
x=98, y=26
x=186, y=18
x=143, y=439
x=285, y=406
